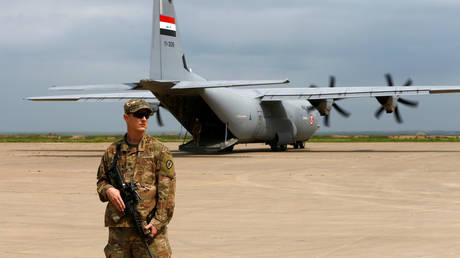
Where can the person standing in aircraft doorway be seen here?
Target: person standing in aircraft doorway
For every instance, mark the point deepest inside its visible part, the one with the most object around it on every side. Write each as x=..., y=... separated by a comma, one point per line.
x=197, y=127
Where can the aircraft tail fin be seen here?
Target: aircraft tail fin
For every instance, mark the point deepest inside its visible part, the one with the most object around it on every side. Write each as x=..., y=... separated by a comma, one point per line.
x=168, y=60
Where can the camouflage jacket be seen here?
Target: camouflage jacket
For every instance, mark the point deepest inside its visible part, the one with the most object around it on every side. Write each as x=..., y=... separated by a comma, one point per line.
x=149, y=165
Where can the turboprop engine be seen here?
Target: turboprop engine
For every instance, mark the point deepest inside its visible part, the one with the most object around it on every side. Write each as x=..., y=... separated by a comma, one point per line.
x=390, y=104
x=325, y=106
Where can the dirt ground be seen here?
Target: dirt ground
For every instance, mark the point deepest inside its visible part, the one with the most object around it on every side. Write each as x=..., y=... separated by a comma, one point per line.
x=329, y=200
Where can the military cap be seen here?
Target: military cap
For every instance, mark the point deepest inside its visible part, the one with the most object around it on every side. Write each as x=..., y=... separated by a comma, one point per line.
x=134, y=105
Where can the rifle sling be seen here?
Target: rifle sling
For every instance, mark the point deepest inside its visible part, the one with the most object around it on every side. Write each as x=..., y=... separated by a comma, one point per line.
x=115, y=158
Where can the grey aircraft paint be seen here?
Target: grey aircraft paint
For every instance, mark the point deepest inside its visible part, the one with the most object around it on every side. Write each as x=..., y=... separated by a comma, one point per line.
x=224, y=113
x=250, y=120
x=231, y=114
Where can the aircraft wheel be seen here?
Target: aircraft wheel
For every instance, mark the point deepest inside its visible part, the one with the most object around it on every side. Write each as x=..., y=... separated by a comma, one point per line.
x=283, y=147
x=302, y=145
x=277, y=147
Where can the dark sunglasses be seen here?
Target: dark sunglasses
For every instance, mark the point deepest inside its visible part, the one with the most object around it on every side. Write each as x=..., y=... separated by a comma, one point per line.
x=142, y=113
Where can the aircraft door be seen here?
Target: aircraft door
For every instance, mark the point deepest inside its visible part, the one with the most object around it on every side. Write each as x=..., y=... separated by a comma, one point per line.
x=260, y=127
x=284, y=131
x=280, y=129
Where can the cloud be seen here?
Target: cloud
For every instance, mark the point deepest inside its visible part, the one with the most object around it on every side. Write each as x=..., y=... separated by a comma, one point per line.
x=28, y=23
x=108, y=41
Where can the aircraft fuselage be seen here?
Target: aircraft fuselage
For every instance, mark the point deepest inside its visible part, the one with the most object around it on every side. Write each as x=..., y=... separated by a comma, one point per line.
x=239, y=113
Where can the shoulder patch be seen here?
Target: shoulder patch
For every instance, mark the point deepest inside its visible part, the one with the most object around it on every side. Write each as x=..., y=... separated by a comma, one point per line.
x=169, y=164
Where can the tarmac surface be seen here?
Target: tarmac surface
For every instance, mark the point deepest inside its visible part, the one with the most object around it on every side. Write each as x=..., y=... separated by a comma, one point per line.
x=329, y=200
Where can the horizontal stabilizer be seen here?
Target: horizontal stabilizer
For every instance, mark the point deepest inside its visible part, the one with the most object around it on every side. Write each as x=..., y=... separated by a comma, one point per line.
x=103, y=97
x=122, y=86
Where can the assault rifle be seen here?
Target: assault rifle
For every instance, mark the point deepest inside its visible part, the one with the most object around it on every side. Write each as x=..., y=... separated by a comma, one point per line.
x=130, y=198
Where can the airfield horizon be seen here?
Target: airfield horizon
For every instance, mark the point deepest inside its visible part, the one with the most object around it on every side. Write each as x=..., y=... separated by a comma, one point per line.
x=75, y=138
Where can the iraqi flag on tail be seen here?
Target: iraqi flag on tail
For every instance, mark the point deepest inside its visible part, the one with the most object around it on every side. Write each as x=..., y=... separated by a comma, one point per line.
x=167, y=26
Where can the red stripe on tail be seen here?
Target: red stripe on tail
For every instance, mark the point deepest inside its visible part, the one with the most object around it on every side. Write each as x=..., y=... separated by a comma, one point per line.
x=167, y=19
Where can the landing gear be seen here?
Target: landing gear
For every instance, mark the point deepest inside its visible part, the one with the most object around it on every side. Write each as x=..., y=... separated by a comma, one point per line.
x=275, y=145
x=299, y=145
x=278, y=147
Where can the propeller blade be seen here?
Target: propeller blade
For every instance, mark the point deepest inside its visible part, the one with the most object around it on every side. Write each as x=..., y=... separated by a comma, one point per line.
x=409, y=103
x=400, y=100
x=408, y=82
x=389, y=79
x=159, y=120
x=379, y=112
x=398, y=116
x=332, y=81
x=340, y=110
x=326, y=120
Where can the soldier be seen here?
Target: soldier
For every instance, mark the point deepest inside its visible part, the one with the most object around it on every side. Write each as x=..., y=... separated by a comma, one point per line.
x=197, y=127
x=148, y=163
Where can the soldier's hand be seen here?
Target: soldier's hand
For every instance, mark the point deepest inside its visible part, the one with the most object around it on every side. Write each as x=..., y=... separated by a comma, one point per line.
x=115, y=198
x=153, y=230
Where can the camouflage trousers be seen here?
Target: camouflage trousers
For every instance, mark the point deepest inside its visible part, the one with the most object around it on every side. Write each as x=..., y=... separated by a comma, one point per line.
x=126, y=243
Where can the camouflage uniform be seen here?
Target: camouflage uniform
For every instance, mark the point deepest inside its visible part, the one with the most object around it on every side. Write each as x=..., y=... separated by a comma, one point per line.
x=145, y=164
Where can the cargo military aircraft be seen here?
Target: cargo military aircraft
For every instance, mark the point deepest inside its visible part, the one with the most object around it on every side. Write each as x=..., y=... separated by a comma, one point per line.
x=235, y=112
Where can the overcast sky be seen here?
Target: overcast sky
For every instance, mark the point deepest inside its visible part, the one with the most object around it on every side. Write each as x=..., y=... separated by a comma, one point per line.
x=57, y=42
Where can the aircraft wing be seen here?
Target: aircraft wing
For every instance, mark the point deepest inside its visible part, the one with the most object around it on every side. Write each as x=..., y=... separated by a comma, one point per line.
x=352, y=92
x=103, y=97
x=142, y=89
x=175, y=85
x=184, y=85
x=112, y=87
